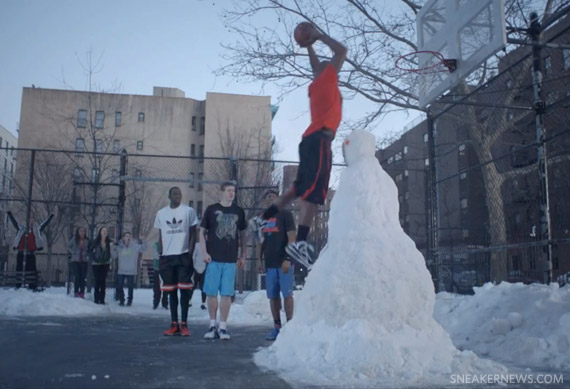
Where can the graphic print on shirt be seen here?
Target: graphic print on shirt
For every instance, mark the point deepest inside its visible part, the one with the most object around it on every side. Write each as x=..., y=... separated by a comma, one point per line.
x=226, y=225
x=271, y=226
x=174, y=226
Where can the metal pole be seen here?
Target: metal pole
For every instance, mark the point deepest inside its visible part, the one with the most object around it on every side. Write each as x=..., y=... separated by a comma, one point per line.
x=122, y=196
x=433, y=211
x=534, y=33
x=28, y=213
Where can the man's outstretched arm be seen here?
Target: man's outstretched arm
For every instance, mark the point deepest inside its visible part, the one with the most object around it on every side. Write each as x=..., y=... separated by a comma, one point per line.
x=338, y=49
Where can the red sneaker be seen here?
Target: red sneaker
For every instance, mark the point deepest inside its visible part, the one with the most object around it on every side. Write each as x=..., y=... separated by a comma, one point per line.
x=173, y=330
x=184, y=331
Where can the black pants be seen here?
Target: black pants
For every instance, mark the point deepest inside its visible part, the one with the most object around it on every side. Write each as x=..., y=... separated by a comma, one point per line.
x=130, y=286
x=157, y=294
x=31, y=274
x=199, y=284
x=100, y=277
x=79, y=274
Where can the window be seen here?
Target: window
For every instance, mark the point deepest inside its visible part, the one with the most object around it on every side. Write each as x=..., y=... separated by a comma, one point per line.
x=191, y=180
x=199, y=209
x=406, y=173
x=463, y=176
x=12, y=151
x=200, y=177
x=463, y=203
x=202, y=125
x=461, y=147
x=138, y=173
x=79, y=146
x=99, y=119
x=192, y=150
x=566, y=59
x=390, y=160
x=407, y=195
x=398, y=156
x=201, y=153
x=115, y=176
x=191, y=203
x=117, y=119
x=547, y=66
x=98, y=146
x=465, y=233
x=94, y=175
x=509, y=83
x=116, y=145
x=426, y=162
x=140, y=145
x=193, y=123
x=76, y=174
x=405, y=149
x=398, y=177
x=141, y=117
x=137, y=203
x=425, y=137
x=81, y=118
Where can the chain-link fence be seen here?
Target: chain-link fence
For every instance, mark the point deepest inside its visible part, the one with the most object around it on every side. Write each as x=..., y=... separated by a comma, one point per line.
x=123, y=193
x=499, y=174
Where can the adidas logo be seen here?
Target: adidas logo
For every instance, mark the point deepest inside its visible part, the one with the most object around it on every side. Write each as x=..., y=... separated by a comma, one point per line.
x=175, y=223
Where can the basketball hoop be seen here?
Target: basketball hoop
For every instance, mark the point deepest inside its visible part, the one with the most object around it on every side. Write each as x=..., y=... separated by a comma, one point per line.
x=438, y=64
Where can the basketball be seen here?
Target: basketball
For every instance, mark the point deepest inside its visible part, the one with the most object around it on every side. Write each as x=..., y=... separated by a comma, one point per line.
x=302, y=33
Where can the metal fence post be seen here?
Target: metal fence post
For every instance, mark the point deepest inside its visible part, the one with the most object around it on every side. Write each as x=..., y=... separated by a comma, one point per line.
x=28, y=214
x=539, y=107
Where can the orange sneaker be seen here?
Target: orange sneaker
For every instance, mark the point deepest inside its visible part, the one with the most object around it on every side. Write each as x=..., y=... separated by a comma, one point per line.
x=173, y=330
x=184, y=331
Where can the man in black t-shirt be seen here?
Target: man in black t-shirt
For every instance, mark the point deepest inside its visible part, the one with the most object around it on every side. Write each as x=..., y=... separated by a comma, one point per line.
x=279, y=274
x=223, y=235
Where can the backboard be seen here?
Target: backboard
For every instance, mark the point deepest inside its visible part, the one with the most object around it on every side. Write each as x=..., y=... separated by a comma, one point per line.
x=469, y=31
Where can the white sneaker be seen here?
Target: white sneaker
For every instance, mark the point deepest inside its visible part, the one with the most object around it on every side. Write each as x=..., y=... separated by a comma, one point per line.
x=302, y=253
x=224, y=334
x=256, y=226
x=212, y=333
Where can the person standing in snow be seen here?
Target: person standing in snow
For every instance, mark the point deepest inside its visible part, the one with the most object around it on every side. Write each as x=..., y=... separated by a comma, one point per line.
x=199, y=272
x=157, y=294
x=102, y=251
x=27, y=244
x=279, y=274
x=78, y=248
x=128, y=253
x=177, y=233
x=223, y=231
x=312, y=181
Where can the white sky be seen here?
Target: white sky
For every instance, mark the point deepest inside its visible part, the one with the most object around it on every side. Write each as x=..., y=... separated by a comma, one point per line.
x=143, y=43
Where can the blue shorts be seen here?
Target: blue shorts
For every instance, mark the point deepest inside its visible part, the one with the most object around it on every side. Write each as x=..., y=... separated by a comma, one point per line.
x=220, y=277
x=276, y=281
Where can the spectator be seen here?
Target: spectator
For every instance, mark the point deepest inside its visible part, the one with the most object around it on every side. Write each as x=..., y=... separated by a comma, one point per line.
x=177, y=231
x=27, y=245
x=199, y=272
x=102, y=251
x=156, y=281
x=128, y=257
x=225, y=226
x=279, y=273
x=78, y=248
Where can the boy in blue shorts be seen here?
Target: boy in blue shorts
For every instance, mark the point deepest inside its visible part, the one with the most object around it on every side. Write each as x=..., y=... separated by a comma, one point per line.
x=279, y=274
x=223, y=230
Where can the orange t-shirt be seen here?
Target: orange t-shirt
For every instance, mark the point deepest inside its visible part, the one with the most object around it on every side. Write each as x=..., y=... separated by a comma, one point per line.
x=325, y=101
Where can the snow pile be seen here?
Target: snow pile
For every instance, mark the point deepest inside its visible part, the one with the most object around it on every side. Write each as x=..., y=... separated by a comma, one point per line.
x=526, y=325
x=365, y=316
x=55, y=302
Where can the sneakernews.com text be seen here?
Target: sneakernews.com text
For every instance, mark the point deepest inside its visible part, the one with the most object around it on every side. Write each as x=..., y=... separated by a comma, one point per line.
x=507, y=379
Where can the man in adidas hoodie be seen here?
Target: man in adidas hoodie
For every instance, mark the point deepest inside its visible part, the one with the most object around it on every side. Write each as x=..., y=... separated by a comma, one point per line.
x=177, y=233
